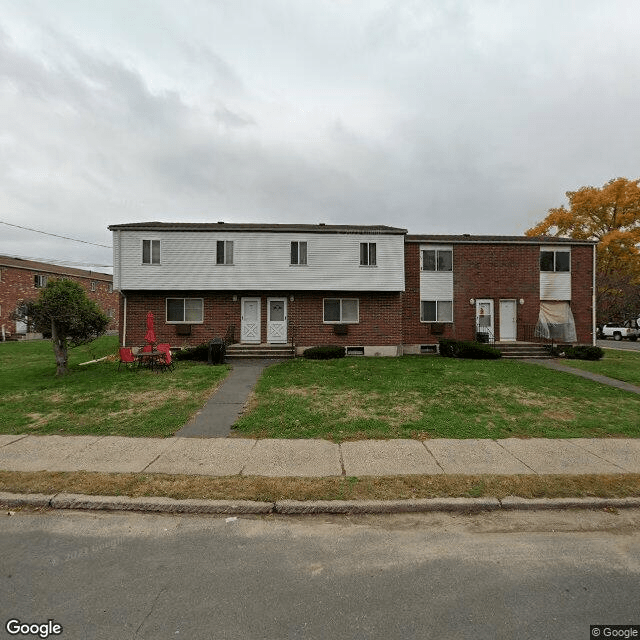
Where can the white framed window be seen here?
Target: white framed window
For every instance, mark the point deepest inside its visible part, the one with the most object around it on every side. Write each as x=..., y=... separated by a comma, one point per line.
x=94, y=286
x=298, y=253
x=110, y=287
x=151, y=252
x=368, y=254
x=341, y=310
x=436, y=311
x=437, y=260
x=40, y=281
x=555, y=260
x=111, y=313
x=224, y=252
x=185, y=310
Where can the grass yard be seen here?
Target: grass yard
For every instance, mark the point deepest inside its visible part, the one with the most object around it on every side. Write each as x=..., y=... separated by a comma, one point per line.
x=618, y=364
x=432, y=397
x=97, y=398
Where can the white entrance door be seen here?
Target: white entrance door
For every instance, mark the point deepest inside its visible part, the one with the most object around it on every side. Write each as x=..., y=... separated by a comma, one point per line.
x=277, y=320
x=484, y=317
x=250, y=320
x=508, y=320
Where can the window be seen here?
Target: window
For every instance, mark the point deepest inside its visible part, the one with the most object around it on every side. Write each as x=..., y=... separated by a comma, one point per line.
x=224, y=252
x=93, y=286
x=110, y=287
x=436, y=311
x=111, y=313
x=40, y=281
x=151, y=252
x=181, y=310
x=555, y=261
x=341, y=310
x=437, y=260
x=367, y=254
x=298, y=253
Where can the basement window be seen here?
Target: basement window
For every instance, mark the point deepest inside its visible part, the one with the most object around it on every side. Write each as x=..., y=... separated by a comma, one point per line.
x=355, y=351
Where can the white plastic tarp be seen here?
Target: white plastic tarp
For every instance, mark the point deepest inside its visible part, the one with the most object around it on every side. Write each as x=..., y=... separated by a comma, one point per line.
x=556, y=322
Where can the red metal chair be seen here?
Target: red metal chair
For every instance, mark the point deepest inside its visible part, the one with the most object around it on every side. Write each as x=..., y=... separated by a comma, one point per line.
x=165, y=361
x=126, y=358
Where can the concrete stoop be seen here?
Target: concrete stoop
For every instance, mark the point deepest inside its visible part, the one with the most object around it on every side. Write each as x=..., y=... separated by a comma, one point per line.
x=260, y=351
x=518, y=350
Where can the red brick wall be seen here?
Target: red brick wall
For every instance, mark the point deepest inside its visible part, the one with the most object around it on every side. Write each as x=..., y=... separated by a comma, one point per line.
x=380, y=318
x=581, y=291
x=497, y=271
x=17, y=285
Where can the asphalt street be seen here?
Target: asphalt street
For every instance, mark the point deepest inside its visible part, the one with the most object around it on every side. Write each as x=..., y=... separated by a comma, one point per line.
x=485, y=576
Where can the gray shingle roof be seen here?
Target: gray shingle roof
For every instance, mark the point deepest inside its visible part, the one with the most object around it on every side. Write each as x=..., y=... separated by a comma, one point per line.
x=19, y=263
x=471, y=239
x=273, y=228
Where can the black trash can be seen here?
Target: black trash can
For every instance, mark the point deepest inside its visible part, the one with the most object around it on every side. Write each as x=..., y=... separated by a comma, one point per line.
x=217, y=351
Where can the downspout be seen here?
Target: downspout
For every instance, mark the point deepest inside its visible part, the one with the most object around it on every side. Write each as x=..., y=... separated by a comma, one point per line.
x=593, y=300
x=124, y=321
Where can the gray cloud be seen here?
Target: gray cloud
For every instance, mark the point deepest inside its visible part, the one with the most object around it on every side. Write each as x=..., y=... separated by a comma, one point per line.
x=443, y=117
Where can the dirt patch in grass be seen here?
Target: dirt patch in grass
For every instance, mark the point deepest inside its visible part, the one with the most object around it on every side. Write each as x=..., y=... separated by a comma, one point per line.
x=141, y=401
x=346, y=406
x=338, y=488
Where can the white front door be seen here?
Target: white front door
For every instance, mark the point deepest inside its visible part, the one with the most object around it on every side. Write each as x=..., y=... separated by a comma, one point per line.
x=250, y=320
x=484, y=317
x=508, y=320
x=277, y=320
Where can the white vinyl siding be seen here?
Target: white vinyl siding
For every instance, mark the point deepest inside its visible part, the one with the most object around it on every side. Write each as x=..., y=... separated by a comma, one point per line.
x=261, y=260
x=555, y=285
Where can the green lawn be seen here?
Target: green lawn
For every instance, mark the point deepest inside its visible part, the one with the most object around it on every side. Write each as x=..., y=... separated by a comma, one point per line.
x=618, y=364
x=433, y=397
x=97, y=398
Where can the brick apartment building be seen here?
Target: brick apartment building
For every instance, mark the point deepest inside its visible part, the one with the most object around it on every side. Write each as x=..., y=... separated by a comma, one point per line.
x=21, y=280
x=374, y=289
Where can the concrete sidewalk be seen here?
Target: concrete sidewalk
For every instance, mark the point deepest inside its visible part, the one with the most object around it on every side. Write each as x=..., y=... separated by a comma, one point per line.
x=318, y=458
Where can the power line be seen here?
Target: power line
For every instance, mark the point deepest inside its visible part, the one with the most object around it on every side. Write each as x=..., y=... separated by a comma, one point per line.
x=60, y=263
x=55, y=235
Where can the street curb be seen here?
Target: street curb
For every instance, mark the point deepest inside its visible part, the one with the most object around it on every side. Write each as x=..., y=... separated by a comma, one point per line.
x=292, y=507
x=300, y=507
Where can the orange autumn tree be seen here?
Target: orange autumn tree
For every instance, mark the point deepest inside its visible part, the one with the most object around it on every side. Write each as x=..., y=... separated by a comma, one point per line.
x=611, y=215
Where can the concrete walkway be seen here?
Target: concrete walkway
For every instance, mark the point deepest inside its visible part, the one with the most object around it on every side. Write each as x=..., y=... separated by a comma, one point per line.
x=222, y=410
x=596, y=377
x=318, y=458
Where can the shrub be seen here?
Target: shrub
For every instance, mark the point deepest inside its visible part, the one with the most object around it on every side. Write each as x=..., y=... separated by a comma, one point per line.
x=583, y=352
x=474, y=350
x=326, y=352
x=199, y=352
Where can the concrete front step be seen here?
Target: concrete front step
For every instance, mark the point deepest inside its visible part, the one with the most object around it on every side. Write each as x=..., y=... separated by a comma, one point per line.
x=522, y=350
x=259, y=351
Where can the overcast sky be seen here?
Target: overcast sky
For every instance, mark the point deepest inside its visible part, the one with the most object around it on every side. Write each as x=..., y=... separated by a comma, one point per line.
x=460, y=116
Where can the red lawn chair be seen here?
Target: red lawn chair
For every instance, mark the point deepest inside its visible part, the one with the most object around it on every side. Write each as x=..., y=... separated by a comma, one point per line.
x=165, y=362
x=126, y=358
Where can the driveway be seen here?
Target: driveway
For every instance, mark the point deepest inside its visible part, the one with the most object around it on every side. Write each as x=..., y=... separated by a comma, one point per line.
x=626, y=345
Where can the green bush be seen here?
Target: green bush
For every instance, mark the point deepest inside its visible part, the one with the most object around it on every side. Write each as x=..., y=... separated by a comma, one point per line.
x=462, y=349
x=326, y=352
x=583, y=352
x=199, y=352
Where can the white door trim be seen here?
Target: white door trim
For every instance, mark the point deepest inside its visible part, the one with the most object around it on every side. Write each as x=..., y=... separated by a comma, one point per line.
x=277, y=329
x=249, y=326
x=488, y=324
x=508, y=321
